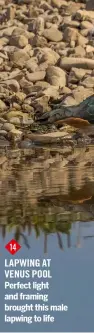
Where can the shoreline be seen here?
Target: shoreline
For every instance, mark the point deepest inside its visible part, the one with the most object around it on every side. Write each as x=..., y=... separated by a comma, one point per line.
x=46, y=55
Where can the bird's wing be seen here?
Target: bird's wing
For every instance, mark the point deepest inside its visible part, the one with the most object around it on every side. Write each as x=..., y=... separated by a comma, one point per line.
x=85, y=111
x=55, y=115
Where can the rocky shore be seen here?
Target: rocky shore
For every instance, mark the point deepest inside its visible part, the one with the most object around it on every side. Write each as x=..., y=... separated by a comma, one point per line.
x=46, y=53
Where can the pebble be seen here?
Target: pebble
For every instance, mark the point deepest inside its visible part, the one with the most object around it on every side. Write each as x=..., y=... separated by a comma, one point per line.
x=2, y=106
x=56, y=76
x=53, y=34
x=8, y=127
x=11, y=84
x=46, y=51
x=17, y=133
x=49, y=56
x=3, y=133
x=68, y=62
x=37, y=76
x=15, y=121
x=14, y=114
x=19, y=58
x=19, y=41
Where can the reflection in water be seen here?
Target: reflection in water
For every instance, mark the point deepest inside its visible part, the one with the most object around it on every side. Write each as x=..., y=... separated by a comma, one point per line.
x=47, y=191
x=25, y=240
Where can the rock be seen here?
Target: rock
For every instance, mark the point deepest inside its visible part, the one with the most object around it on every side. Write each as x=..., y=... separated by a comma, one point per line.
x=70, y=34
x=89, y=49
x=2, y=3
x=19, y=41
x=31, y=65
x=56, y=76
x=3, y=41
x=56, y=19
x=81, y=40
x=80, y=51
x=48, y=138
x=16, y=106
x=68, y=62
x=15, y=74
x=20, y=96
x=27, y=122
x=19, y=58
x=7, y=31
x=58, y=46
x=41, y=103
x=3, y=106
x=70, y=23
x=72, y=86
x=3, y=76
x=51, y=91
x=20, y=31
x=43, y=84
x=83, y=15
x=43, y=66
x=3, y=133
x=81, y=93
x=88, y=82
x=66, y=90
x=86, y=25
x=27, y=49
x=15, y=121
x=85, y=32
x=59, y=3
x=26, y=86
x=37, y=76
x=76, y=74
x=69, y=100
x=28, y=108
x=10, y=14
x=53, y=34
x=38, y=41
x=37, y=25
x=11, y=84
x=12, y=114
x=49, y=56
x=8, y=127
x=2, y=120
x=28, y=101
x=3, y=56
x=16, y=134
x=45, y=6
x=9, y=49
x=74, y=7
x=46, y=51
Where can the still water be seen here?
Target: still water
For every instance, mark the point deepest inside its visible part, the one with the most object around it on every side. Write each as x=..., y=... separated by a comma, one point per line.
x=47, y=205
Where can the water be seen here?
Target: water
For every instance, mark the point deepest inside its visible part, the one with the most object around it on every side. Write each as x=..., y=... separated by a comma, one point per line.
x=47, y=205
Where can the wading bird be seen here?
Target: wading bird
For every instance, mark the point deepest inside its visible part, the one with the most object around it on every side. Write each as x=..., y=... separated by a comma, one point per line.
x=79, y=116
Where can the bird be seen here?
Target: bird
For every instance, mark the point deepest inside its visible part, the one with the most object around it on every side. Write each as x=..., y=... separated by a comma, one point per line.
x=80, y=116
